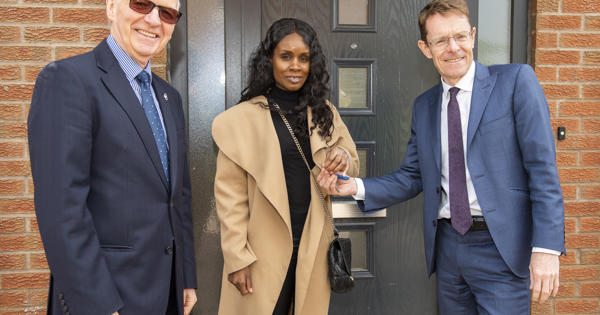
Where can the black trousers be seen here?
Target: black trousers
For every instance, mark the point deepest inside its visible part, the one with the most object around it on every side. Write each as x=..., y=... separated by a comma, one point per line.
x=172, y=306
x=286, y=297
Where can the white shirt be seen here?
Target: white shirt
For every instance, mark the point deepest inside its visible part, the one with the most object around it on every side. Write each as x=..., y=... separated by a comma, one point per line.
x=464, y=104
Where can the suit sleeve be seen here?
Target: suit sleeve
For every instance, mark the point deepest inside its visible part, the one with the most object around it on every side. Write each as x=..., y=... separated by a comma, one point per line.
x=231, y=195
x=60, y=131
x=536, y=140
x=402, y=184
x=189, y=263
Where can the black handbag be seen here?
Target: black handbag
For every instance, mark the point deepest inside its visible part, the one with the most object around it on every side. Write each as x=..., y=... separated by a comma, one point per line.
x=339, y=254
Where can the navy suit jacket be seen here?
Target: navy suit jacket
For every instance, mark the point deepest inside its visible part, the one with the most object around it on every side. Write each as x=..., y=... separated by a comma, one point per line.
x=510, y=156
x=112, y=227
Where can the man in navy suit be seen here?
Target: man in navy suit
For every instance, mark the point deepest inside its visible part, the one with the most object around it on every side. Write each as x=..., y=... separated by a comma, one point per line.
x=482, y=152
x=107, y=142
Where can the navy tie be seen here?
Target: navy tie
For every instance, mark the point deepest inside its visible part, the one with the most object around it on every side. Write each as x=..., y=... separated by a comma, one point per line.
x=154, y=120
x=460, y=213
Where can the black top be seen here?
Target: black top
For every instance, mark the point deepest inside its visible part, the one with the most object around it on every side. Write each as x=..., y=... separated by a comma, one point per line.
x=297, y=176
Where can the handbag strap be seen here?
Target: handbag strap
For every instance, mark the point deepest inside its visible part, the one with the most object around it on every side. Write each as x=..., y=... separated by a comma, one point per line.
x=287, y=124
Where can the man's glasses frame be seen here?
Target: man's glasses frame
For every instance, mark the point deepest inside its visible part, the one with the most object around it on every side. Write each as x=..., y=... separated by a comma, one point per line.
x=461, y=39
x=166, y=14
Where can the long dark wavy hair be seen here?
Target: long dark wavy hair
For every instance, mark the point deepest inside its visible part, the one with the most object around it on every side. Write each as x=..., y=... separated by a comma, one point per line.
x=313, y=93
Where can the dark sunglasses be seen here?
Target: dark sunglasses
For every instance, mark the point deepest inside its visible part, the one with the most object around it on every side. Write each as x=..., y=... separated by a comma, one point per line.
x=167, y=15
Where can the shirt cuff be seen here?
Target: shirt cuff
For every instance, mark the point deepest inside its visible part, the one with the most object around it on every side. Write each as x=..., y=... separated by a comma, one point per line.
x=545, y=250
x=360, y=189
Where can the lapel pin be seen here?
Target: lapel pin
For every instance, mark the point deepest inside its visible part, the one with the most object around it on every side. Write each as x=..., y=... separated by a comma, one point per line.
x=166, y=97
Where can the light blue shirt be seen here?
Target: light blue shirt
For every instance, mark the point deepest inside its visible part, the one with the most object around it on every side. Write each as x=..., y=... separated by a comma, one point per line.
x=131, y=70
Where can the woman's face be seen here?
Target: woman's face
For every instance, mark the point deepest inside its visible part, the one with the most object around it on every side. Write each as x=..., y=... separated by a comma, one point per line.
x=291, y=63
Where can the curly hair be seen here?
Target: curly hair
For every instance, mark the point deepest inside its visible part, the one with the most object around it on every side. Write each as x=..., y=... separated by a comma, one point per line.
x=313, y=93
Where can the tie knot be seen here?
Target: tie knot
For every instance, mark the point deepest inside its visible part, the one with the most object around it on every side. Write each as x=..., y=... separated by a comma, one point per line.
x=454, y=91
x=143, y=77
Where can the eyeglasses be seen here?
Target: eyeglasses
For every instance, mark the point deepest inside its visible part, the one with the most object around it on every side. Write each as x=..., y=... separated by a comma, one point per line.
x=461, y=39
x=167, y=15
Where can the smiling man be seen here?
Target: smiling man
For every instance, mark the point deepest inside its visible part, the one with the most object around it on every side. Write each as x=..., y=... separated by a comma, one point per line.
x=108, y=157
x=482, y=152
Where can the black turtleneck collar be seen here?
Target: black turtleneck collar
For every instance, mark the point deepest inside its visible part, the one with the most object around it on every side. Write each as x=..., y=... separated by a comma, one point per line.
x=285, y=99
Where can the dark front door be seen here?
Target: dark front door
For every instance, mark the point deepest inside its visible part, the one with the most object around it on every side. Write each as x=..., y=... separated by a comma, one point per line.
x=376, y=72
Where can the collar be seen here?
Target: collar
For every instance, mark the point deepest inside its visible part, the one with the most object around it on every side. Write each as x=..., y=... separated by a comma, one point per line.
x=128, y=65
x=465, y=83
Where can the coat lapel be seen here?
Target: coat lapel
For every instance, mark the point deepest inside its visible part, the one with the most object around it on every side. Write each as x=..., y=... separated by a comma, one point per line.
x=166, y=108
x=115, y=81
x=482, y=88
x=435, y=107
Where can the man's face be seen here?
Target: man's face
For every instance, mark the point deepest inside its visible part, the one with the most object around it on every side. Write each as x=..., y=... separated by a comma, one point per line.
x=141, y=36
x=453, y=60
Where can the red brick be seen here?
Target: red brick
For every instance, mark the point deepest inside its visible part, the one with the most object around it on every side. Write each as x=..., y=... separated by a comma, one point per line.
x=589, y=224
x=38, y=297
x=580, y=108
x=13, y=130
x=53, y=34
x=567, y=158
x=580, y=40
x=590, y=191
x=10, y=34
x=10, y=73
x=99, y=2
x=33, y=225
x=11, y=187
x=14, y=206
x=569, y=192
x=12, y=262
x=65, y=52
x=29, y=185
x=546, y=74
x=590, y=256
x=591, y=91
x=16, y=14
x=38, y=261
x=571, y=124
x=590, y=158
x=11, y=112
x=78, y=15
x=12, y=149
x=95, y=35
x=24, y=53
x=579, y=142
x=578, y=306
x=578, y=175
x=561, y=90
x=591, y=57
x=590, y=289
x=50, y=1
x=592, y=6
x=12, y=225
x=12, y=243
x=31, y=72
x=25, y=280
x=13, y=298
x=160, y=71
x=553, y=108
x=547, y=6
x=582, y=240
x=16, y=92
x=591, y=125
x=545, y=40
x=160, y=58
x=566, y=290
x=579, y=74
x=15, y=168
x=569, y=259
x=541, y=309
x=558, y=22
x=555, y=57
x=582, y=208
x=592, y=23
x=578, y=273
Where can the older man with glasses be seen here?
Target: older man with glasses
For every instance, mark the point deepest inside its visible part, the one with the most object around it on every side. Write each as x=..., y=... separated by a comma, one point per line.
x=482, y=152
x=109, y=162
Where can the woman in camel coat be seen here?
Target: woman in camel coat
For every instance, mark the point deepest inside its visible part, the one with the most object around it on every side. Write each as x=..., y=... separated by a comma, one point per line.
x=274, y=230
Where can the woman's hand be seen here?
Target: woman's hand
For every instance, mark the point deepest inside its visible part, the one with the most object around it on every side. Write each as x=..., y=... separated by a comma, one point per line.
x=241, y=280
x=337, y=161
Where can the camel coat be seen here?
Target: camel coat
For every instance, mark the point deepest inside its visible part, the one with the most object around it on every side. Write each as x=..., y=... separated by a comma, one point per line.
x=252, y=205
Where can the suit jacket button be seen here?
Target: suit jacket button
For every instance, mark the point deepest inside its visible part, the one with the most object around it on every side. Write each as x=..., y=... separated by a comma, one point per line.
x=169, y=250
x=434, y=222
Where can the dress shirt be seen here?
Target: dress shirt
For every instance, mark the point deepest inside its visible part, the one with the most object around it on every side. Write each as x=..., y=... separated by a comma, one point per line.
x=465, y=84
x=131, y=70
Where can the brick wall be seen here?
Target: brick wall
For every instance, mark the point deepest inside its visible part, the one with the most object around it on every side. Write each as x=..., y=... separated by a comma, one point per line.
x=566, y=57
x=33, y=33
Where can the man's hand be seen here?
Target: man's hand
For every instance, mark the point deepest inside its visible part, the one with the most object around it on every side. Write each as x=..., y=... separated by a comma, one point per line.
x=543, y=270
x=115, y=313
x=189, y=300
x=333, y=186
x=241, y=280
